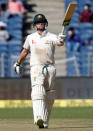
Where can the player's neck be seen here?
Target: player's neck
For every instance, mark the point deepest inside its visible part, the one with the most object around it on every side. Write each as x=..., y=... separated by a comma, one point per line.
x=40, y=32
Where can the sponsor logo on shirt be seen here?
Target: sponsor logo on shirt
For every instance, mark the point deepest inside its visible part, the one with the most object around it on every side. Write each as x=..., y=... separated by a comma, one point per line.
x=47, y=42
x=33, y=42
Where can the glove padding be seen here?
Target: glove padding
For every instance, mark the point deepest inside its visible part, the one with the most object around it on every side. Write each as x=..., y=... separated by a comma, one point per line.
x=18, y=68
x=61, y=37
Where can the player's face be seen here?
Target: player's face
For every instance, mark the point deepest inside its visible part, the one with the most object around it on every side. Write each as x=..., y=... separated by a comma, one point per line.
x=70, y=33
x=40, y=26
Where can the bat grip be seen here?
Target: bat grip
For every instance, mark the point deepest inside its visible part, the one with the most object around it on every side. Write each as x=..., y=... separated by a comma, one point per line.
x=63, y=30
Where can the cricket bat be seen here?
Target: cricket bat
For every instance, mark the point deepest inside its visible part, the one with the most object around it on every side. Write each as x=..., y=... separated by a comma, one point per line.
x=68, y=15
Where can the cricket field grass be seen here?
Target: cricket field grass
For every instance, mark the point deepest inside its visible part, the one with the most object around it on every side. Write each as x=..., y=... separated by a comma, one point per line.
x=62, y=119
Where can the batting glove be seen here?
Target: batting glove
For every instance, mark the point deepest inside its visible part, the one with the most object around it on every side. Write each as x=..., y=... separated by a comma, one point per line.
x=61, y=37
x=18, y=68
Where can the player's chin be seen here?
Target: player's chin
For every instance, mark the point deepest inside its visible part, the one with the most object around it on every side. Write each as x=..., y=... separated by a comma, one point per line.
x=40, y=29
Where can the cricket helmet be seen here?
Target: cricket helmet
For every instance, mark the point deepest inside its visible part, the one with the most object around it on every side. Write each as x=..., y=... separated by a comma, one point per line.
x=40, y=18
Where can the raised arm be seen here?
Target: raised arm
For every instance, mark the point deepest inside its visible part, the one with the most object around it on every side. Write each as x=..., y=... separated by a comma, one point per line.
x=61, y=39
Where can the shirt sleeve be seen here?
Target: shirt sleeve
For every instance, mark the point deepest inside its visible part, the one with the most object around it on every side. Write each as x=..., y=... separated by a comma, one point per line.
x=26, y=44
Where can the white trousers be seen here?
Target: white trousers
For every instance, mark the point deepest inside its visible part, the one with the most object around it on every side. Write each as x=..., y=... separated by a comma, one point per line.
x=43, y=91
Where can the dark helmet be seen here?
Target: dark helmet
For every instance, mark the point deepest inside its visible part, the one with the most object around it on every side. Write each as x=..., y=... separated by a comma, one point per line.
x=40, y=18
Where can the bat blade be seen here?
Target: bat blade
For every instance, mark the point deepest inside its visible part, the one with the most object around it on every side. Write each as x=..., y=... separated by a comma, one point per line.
x=69, y=13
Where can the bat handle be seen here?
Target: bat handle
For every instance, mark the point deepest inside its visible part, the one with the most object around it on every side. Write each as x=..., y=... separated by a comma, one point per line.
x=63, y=30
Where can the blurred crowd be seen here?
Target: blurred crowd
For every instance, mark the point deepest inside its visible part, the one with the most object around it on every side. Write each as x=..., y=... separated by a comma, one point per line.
x=8, y=10
x=87, y=14
x=74, y=40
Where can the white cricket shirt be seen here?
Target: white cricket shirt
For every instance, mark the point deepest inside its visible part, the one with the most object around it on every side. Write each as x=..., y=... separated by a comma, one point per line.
x=42, y=48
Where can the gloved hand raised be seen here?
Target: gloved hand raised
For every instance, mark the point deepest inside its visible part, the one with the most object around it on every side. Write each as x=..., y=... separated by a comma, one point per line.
x=61, y=37
x=18, y=68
